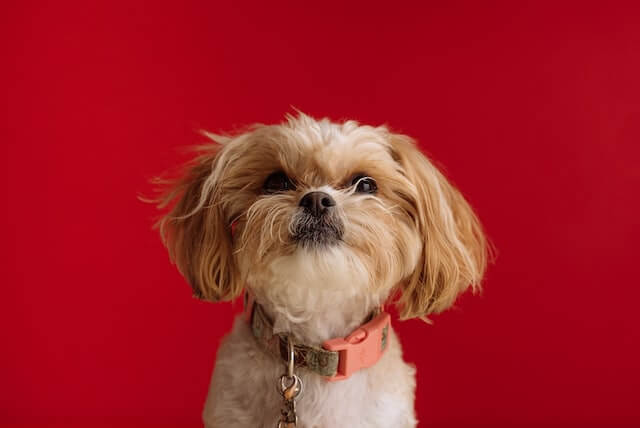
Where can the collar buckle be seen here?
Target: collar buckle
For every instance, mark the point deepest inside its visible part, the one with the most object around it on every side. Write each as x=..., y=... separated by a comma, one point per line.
x=362, y=348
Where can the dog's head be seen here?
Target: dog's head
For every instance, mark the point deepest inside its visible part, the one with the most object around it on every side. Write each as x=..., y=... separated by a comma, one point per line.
x=310, y=207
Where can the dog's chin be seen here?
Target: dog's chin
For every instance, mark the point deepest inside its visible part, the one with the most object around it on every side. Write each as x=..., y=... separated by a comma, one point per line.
x=297, y=280
x=318, y=234
x=316, y=239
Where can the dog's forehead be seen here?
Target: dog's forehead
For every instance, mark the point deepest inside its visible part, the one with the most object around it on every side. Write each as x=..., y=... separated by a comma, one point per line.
x=329, y=151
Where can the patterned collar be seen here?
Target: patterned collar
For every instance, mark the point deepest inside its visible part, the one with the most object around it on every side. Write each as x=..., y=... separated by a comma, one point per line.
x=338, y=358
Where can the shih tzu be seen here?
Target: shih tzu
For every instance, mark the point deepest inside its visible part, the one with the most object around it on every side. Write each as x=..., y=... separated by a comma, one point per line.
x=319, y=223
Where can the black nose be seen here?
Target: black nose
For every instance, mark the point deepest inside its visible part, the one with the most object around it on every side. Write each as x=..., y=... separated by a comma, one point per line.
x=317, y=203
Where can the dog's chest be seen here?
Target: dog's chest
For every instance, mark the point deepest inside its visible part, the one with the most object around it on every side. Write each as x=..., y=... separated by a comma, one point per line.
x=244, y=391
x=352, y=403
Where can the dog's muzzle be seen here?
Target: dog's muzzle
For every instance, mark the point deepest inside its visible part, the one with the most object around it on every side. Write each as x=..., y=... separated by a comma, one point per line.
x=317, y=224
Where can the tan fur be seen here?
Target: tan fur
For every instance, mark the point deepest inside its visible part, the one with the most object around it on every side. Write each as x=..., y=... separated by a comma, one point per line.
x=454, y=253
x=416, y=236
x=196, y=232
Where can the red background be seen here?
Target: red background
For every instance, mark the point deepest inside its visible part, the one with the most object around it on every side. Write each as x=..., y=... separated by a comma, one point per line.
x=533, y=109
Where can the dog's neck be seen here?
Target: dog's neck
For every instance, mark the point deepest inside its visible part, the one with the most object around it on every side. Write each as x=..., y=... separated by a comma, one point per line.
x=317, y=317
x=316, y=295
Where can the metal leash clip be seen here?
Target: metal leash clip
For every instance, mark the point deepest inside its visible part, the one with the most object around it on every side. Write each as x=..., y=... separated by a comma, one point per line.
x=290, y=387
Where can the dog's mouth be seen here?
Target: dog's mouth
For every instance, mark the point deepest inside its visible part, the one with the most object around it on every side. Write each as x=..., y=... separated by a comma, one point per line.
x=312, y=232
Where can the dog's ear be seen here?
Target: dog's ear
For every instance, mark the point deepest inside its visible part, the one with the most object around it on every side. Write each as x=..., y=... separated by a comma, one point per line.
x=454, y=253
x=196, y=230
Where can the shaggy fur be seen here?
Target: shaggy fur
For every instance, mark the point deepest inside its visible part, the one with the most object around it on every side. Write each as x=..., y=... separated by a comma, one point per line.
x=414, y=237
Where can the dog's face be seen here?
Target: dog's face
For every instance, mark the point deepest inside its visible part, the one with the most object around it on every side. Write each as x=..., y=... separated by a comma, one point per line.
x=311, y=206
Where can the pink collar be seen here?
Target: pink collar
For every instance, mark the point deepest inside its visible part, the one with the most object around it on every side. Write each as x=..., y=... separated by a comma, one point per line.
x=338, y=358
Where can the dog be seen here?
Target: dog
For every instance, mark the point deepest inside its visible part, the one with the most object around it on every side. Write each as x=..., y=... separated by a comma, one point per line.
x=320, y=224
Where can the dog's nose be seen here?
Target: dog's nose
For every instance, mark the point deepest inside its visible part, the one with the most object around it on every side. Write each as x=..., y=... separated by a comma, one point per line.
x=317, y=203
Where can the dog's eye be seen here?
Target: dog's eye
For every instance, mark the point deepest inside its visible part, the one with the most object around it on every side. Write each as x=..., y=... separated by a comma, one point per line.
x=277, y=182
x=364, y=184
